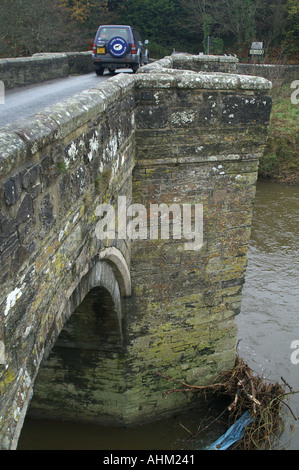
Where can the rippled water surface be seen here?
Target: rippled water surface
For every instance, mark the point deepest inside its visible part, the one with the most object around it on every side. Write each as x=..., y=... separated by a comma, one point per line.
x=269, y=319
x=268, y=324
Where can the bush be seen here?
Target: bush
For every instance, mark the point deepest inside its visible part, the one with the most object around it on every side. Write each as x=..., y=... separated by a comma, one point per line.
x=156, y=51
x=281, y=158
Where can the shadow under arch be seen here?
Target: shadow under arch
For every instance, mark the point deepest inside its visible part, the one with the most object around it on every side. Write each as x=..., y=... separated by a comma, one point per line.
x=102, y=275
x=82, y=379
x=109, y=270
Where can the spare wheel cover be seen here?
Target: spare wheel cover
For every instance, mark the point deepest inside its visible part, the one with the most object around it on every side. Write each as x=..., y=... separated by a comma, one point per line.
x=117, y=46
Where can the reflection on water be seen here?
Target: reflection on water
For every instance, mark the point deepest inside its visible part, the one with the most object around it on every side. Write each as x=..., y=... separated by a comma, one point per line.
x=166, y=434
x=268, y=324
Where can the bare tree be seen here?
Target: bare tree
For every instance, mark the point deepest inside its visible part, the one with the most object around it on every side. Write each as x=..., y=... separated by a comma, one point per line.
x=271, y=21
x=30, y=26
x=236, y=17
x=198, y=11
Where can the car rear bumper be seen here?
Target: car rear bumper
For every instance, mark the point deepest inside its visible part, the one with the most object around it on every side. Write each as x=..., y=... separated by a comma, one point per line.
x=115, y=63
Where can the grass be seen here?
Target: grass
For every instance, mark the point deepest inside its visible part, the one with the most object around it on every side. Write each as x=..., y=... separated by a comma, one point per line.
x=281, y=157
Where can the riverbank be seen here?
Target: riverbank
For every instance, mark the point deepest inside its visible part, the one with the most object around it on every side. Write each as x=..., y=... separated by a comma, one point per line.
x=280, y=161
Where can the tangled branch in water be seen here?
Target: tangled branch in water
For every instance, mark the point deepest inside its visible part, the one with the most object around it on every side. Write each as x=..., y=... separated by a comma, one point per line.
x=248, y=393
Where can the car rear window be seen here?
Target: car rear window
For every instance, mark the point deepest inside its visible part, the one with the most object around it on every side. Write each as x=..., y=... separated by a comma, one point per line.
x=109, y=33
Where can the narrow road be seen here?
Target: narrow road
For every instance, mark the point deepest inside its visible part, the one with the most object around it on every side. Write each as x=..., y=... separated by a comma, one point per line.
x=26, y=101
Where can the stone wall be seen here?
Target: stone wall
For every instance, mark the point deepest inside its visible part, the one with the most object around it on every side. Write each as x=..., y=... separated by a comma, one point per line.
x=274, y=73
x=162, y=135
x=55, y=168
x=23, y=71
x=195, y=63
x=204, y=63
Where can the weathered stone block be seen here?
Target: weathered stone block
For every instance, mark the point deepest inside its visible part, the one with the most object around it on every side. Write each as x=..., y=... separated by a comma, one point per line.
x=184, y=118
x=30, y=176
x=153, y=117
x=245, y=109
x=25, y=210
x=13, y=190
x=7, y=226
x=47, y=216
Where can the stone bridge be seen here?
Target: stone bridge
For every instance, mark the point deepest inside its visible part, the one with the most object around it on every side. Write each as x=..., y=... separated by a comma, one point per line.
x=167, y=135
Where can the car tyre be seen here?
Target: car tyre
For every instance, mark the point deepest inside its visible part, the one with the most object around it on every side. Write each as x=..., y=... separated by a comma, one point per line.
x=99, y=71
x=135, y=67
x=146, y=59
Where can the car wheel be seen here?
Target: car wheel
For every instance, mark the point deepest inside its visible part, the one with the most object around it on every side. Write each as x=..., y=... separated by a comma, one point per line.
x=135, y=67
x=117, y=46
x=99, y=71
x=112, y=71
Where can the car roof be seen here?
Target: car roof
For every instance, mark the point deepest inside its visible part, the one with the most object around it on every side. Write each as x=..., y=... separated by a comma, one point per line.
x=115, y=26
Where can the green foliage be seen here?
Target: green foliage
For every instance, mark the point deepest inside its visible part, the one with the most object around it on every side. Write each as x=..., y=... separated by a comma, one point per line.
x=244, y=27
x=217, y=47
x=207, y=23
x=157, y=51
x=102, y=181
x=29, y=26
x=291, y=42
x=62, y=167
x=281, y=157
x=157, y=20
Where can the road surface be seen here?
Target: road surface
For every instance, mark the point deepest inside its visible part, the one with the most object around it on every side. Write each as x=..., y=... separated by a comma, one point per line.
x=25, y=101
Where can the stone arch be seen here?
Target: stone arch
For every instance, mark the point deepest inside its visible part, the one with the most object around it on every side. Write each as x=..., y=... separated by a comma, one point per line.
x=101, y=274
x=121, y=269
x=109, y=270
x=91, y=356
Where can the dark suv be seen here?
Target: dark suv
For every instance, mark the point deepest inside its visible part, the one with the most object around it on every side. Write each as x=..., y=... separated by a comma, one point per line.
x=118, y=46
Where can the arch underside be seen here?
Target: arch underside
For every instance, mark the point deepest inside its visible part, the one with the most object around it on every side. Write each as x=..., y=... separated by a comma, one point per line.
x=83, y=377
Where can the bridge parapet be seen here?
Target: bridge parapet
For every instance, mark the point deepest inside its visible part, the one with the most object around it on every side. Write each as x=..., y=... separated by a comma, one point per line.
x=55, y=168
x=22, y=71
x=160, y=136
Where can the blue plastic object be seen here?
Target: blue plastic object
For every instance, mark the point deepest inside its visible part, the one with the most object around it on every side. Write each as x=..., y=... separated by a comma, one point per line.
x=233, y=434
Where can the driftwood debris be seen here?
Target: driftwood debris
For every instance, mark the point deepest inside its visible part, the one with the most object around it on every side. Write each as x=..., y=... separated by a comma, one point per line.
x=248, y=392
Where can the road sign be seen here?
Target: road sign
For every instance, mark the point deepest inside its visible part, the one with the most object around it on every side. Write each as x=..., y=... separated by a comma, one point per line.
x=256, y=48
x=256, y=45
x=256, y=51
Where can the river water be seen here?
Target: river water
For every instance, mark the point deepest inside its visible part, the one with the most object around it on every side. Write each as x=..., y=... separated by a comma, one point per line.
x=269, y=319
x=268, y=325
